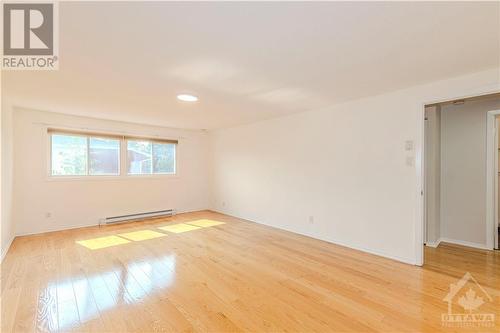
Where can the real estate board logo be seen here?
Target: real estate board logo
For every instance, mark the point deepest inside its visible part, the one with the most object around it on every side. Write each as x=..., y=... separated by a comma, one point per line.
x=464, y=300
x=30, y=36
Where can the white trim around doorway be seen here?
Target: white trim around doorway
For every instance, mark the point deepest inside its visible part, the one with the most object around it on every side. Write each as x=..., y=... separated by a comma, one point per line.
x=420, y=171
x=491, y=180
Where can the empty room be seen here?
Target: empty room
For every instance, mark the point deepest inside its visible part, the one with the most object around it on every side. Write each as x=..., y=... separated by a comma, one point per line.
x=250, y=166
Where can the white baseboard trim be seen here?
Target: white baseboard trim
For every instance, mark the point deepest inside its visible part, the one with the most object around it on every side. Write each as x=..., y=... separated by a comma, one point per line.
x=30, y=233
x=464, y=243
x=4, y=251
x=433, y=244
x=333, y=241
x=62, y=228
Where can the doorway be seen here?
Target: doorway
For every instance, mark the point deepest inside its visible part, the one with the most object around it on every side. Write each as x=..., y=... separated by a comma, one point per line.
x=461, y=173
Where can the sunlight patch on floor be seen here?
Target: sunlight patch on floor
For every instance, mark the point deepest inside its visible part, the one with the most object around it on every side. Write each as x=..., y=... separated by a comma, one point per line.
x=179, y=228
x=102, y=242
x=205, y=223
x=142, y=235
x=146, y=234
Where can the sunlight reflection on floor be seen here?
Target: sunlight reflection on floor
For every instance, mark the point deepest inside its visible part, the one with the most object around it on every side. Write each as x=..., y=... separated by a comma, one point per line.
x=179, y=228
x=107, y=290
x=142, y=235
x=146, y=234
x=205, y=223
x=102, y=242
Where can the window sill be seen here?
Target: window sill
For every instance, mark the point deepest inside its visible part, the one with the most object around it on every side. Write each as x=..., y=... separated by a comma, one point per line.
x=115, y=178
x=157, y=176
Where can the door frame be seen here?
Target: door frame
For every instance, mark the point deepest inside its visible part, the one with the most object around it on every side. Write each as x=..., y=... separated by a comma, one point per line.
x=420, y=173
x=492, y=179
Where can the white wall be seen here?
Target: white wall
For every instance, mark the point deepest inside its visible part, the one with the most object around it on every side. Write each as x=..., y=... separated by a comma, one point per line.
x=74, y=203
x=7, y=229
x=463, y=171
x=346, y=166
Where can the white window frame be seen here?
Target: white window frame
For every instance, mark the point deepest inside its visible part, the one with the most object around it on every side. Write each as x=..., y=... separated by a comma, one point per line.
x=123, y=160
x=152, y=141
x=87, y=167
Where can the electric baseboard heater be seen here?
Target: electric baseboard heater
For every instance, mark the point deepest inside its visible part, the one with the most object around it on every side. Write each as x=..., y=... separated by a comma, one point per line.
x=138, y=216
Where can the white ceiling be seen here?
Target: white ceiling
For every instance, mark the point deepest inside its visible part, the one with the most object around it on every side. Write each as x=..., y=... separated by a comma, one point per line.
x=250, y=61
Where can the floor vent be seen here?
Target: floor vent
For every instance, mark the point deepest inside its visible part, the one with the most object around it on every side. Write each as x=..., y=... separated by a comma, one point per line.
x=138, y=216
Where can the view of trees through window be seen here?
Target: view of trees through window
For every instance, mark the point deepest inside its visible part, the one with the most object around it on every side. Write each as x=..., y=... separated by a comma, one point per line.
x=69, y=155
x=80, y=155
x=149, y=157
x=163, y=158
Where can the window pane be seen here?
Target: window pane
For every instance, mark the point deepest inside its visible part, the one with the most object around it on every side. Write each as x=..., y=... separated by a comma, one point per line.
x=139, y=157
x=163, y=158
x=69, y=155
x=104, y=155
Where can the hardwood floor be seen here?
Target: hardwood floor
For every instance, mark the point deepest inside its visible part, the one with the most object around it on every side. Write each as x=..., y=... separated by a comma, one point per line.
x=230, y=276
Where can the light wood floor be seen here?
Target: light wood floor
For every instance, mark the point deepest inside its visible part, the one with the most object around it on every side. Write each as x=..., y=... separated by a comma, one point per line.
x=236, y=276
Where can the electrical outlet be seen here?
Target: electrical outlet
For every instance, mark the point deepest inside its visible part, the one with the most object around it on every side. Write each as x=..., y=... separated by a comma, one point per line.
x=311, y=219
x=48, y=215
x=223, y=204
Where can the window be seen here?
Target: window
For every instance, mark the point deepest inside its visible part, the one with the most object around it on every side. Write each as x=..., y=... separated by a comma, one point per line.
x=69, y=155
x=104, y=156
x=146, y=157
x=83, y=155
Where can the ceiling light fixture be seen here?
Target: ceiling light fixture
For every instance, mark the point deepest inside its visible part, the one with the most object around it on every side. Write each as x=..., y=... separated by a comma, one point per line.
x=187, y=98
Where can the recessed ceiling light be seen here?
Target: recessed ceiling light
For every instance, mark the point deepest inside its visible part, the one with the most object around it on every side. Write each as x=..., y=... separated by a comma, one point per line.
x=187, y=98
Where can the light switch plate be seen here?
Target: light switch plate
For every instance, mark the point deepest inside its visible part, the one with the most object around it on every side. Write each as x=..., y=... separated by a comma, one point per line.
x=409, y=145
